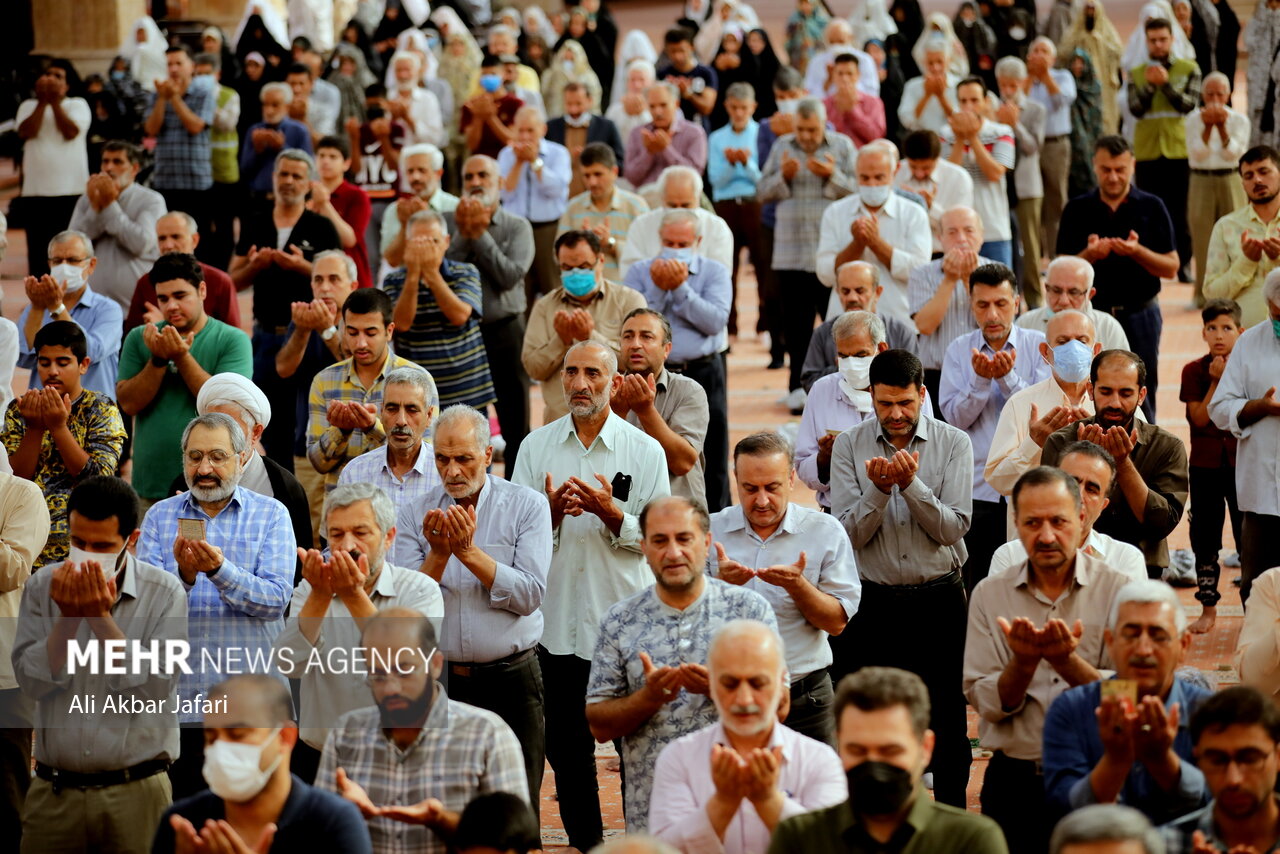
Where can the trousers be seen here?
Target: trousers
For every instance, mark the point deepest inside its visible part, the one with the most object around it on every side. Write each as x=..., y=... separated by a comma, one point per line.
x=571, y=749
x=743, y=219
x=503, y=341
x=1213, y=498
x=806, y=301
x=1259, y=548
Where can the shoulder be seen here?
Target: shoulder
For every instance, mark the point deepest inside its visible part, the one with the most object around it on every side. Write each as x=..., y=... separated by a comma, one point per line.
x=739, y=599
x=1077, y=700
x=326, y=808
x=948, y=820
x=154, y=577
x=818, y=829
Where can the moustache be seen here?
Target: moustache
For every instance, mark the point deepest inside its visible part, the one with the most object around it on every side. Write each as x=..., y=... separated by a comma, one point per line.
x=753, y=709
x=1143, y=661
x=401, y=431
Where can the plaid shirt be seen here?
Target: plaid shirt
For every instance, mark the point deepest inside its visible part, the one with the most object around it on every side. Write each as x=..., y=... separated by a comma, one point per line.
x=183, y=158
x=1177, y=834
x=460, y=753
x=803, y=199
x=237, y=611
x=373, y=467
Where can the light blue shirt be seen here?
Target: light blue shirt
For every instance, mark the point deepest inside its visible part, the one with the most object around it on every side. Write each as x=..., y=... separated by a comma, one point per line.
x=732, y=181
x=698, y=310
x=101, y=319
x=973, y=403
x=374, y=467
x=538, y=200
x=1057, y=107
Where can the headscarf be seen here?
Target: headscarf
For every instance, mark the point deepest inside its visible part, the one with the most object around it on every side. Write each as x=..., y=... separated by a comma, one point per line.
x=1086, y=124
x=351, y=101
x=957, y=59
x=698, y=11
x=535, y=22
x=1262, y=38
x=1135, y=52
x=510, y=17
x=706, y=44
x=255, y=36
x=979, y=43
x=746, y=72
x=767, y=65
x=911, y=26
x=269, y=19
x=553, y=82
x=372, y=62
x=364, y=75
x=460, y=72
x=146, y=58
x=871, y=20
x=221, y=389
x=416, y=42
x=635, y=45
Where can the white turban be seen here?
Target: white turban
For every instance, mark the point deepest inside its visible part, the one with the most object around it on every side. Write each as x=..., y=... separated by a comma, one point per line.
x=221, y=389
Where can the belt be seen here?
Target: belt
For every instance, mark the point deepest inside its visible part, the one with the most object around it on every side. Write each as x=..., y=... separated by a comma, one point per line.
x=681, y=367
x=466, y=669
x=99, y=779
x=1117, y=310
x=952, y=577
x=1058, y=138
x=1213, y=171
x=739, y=200
x=555, y=222
x=999, y=757
x=809, y=681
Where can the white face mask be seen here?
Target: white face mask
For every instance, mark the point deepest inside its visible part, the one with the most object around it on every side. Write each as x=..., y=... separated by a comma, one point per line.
x=788, y=105
x=875, y=196
x=109, y=561
x=232, y=769
x=855, y=380
x=69, y=276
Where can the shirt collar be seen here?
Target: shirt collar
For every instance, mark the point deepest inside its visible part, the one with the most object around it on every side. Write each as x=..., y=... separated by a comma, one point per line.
x=129, y=584
x=385, y=585
x=663, y=380
x=607, y=435
x=425, y=455
x=354, y=379
x=89, y=298
x=917, y=820
x=922, y=428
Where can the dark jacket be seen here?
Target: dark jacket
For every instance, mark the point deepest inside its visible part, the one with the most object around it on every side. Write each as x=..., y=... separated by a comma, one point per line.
x=600, y=130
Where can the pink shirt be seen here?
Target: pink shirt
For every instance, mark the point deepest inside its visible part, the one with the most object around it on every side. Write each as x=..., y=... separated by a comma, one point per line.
x=811, y=778
x=863, y=123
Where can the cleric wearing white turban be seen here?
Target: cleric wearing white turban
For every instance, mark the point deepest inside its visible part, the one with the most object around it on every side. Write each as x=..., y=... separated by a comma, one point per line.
x=237, y=396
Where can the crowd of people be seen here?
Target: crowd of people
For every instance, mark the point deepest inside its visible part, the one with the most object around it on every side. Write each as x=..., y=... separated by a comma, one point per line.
x=958, y=230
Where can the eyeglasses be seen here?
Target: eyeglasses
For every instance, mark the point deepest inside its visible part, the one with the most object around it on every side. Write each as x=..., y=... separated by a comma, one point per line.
x=1074, y=293
x=1249, y=759
x=215, y=457
x=53, y=262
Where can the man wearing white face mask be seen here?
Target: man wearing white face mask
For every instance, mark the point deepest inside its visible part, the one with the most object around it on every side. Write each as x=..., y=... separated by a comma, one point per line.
x=253, y=803
x=104, y=766
x=64, y=294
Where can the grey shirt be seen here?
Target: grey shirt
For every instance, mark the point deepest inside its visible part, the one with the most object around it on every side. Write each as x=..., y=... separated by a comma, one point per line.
x=150, y=606
x=906, y=536
x=503, y=255
x=922, y=284
x=124, y=239
x=1028, y=136
x=821, y=358
x=682, y=403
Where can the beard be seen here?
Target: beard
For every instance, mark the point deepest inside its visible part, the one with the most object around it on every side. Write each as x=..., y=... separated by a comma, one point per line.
x=398, y=710
x=221, y=490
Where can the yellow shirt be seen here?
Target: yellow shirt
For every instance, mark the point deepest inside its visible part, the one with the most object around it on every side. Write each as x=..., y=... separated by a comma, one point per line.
x=1229, y=272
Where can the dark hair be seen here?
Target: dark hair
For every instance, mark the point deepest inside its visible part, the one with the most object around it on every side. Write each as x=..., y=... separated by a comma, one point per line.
x=375, y=90
x=993, y=276
x=498, y=820
x=490, y=60
x=598, y=153
x=845, y=59
x=699, y=511
x=299, y=68
x=62, y=333
x=338, y=143
x=1113, y=144
x=1123, y=356
x=786, y=79
x=131, y=151
x=1260, y=152
x=573, y=237
x=897, y=368
x=576, y=86
x=973, y=81
x=178, y=48
x=301, y=42
x=1157, y=24
x=1216, y=308
x=763, y=444
x=1046, y=476
x=922, y=145
x=369, y=301
x=103, y=496
x=1239, y=705
x=675, y=35
x=874, y=688
x=210, y=59
x=176, y=265
x=1089, y=449
x=645, y=311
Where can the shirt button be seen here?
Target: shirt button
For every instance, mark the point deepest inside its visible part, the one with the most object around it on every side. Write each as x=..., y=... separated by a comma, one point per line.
x=904, y=557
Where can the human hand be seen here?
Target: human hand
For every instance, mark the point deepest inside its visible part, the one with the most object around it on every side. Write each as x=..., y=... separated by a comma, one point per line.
x=316, y=572
x=1096, y=248
x=826, y=443
x=196, y=556
x=823, y=168
x=435, y=532
x=31, y=408
x=56, y=408
x=695, y=678
x=788, y=576
x=789, y=165
x=1126, y=246
x=347, y=575
x=1058, y=641
x=460, y=527
x=728, y=773
x=760, y=776
x=782, y=123
x=1115, y=729
x=1217, y=366
x=1055, y=419
x=1155, y=730
x=661, y=684
x=597, y=502
x=353, y=792
x=903, y=468
x=1156, y=75
x=731, y=571
x=43, y=293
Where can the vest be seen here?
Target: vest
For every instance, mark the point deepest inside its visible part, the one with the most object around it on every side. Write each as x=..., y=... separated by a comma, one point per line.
x=1160, y=133
x=224, y=146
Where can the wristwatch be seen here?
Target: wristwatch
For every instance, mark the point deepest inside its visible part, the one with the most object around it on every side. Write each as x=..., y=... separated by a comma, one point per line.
x=612, y=244
x=537, y=165
x=58, y=309
x=697, y=86
x=329, y=333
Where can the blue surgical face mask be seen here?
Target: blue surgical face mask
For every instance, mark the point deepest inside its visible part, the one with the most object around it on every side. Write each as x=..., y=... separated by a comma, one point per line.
x=117, y=74
x=876, y=196
x=490, y=83
x=578, y=283
x=1071, y=361
x=683, y=255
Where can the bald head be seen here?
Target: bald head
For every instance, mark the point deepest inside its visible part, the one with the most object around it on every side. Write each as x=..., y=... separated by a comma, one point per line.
x=858, y=286
x=747, y=667
x=1070, y=325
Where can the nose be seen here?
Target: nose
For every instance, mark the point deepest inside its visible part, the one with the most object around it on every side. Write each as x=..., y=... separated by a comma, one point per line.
x=205, y=466
x=742, y=696
x=1143, y=644
x=1235, y=776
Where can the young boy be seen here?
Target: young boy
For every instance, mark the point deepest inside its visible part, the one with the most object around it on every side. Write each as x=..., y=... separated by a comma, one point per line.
x=345, y=204
x=1213, y=454
x=59, y=435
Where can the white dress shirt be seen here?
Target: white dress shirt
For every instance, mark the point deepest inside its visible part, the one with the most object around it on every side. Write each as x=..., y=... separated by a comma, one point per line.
x=933, y=117
x=829, y=566
x=1253, y=368
x=817, y=78
x=1012, y=449
x=1257, y=655
x=1213, y=154
x=375, y=467
x=1124, y=558
x=424, y=108
x=903, y=224
x=1057, y=107
x=1108, y=331
x=950, y=186
x=644, y=243
x=828, y=407
x=591, y=569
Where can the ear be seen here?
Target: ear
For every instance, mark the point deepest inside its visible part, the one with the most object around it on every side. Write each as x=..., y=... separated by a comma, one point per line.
x=488, y=456
x=882, y=346
x=926, y=747
x=202, y=290
x=131, y=541
x=84, y=365
x=1142, y=395
x=1092, y=291
x=615, y=383
x=289, y=735
x=391, y=328
x=195, y=240
x=388, y=540
x=1045, y=352
x=1097, y=347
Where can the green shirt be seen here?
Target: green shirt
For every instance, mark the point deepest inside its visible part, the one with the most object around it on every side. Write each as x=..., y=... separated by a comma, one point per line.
x=157, y=441
x=930, y=828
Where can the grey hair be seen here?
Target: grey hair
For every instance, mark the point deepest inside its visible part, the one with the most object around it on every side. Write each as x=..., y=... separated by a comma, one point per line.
x=1148, y=592
x=534, y=109
x=852, y=322
x=213, y=421
x=1074, y=262
x=1218, y=76
x=352, y=272
x=409, y=55
x=470, y=416
x=681, y=216
x=610, y=358
x=809, y=108
x=669, y=88
x=1012, y=68
x=500, y=29
x=644, y=65
x=1106, y=823
x=1053, y=48
x=685, y=172
x=637, y=844
x=883, y=146
x=437, y=159
x=297, y=155
x=235, y=405
x=858, y=265
x=740, y=91
x=1271, y=288
x=68, y=234
x=346, y=494
x=193, y=227
x=282, y=88
x=743, y=628
x=415, y=376
x=426, y=216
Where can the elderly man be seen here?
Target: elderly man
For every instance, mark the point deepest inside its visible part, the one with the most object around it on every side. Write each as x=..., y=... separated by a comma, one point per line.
x=806, y=171
x=799, y=560
x=678, y=187
x=1054, y=89
x=902, y=486
x=929, y=100
x=341, y=589
x=176, y=231
x=1026, y=116
x=987, y=150
x=1245, y=405
x=64, y=294
x=416, y=758
x=535, y=177
x=179, y=117
x=942, y=184
x=1243, y=247
x=414, y=106
x=648, y=683
x=1104, y=828
x=1027, y=643
x=726, y=786
x=265, y=140
x=885, y=743
x=604, y=208
x=488, y=542
x=229, y=547
x=694, y=293
x=1128, y=745
x=501, y=247
x=595, y=518
x=423, y=166
x=1031, y=415
x=980, y=372
x=858, y=288
x=669, y=139
x=1151, y=463
x=164, y=365
x=1069, y=285
x=839, y=38
x=405, y=467
x=580, y=126
x=840, y=400
x=670, y=407
x=586, y=307
x=101, y=594
x=121, y=216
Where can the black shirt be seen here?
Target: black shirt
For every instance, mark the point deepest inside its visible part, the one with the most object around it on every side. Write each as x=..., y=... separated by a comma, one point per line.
x=274, y=288
x=1121, y=281
x=698, y=72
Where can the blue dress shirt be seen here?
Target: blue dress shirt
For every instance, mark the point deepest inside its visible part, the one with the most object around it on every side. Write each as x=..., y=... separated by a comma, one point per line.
x=733, y=181
x=698, y=310
x=538, y=200
x=101, y=319
x=257, y=167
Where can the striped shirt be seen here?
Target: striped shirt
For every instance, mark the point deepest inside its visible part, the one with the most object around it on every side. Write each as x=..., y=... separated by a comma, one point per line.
x=374, y=467
x=460, y=753
x=990, y=198
x=803, y=200
x=235, y=613
x=624, y=207
x=454, y=355
x=922, y=284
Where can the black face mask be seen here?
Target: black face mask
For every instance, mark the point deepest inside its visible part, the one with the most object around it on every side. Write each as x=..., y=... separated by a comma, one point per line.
x=878, y=788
